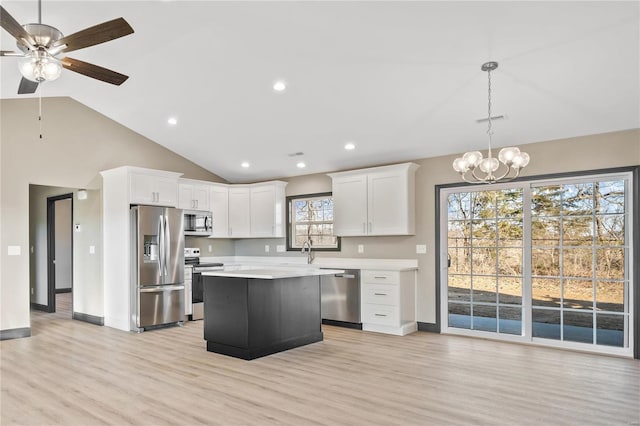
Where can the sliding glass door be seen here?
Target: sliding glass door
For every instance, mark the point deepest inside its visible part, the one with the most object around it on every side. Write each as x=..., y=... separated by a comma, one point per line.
x=544, y=262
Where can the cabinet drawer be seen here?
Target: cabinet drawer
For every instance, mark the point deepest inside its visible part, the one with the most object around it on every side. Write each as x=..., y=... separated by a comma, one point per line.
x=380, y=314
x=381, y=294
x=380, y=277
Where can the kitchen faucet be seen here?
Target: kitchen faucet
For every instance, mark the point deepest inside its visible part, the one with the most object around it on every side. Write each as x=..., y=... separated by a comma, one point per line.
x=306, y=246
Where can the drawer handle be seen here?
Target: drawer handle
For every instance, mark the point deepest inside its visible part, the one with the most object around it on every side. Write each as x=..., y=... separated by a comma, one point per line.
x=379, y=294
x=380, y=278
x=380, y=315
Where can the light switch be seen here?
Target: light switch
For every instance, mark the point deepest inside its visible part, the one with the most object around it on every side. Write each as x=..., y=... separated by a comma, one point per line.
x=421, y=248
x=210, y=248
x=266, y=248
x=92, y=249
x=13, y=250
x=360, y=248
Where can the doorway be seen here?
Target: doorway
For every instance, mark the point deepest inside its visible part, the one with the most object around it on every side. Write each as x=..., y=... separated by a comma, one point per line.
x=545, y=262
x=60, y=254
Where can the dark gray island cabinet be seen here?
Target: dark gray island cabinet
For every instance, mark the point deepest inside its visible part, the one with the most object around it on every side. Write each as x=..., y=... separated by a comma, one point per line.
x=253, y=313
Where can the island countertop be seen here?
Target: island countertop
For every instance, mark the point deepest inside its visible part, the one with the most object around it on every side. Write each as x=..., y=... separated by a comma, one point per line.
x=273, y=273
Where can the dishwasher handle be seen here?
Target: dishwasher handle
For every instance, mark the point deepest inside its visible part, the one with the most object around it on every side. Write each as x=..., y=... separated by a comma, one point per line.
x=350, y=276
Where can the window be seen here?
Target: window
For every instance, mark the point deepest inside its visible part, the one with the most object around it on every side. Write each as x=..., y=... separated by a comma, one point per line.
x=543, y=261
x=310, y=217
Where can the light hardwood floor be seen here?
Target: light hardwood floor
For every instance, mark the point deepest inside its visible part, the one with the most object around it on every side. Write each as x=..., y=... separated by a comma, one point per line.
x=74, y=373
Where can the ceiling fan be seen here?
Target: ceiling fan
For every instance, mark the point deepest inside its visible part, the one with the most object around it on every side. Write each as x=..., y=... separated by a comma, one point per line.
x=41, y=44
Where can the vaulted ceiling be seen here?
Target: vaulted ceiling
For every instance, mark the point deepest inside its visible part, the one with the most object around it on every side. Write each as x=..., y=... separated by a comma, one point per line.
x=401, y=80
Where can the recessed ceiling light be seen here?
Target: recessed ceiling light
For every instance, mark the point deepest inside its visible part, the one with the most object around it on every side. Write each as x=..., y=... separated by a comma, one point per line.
x=301, y=165
x=349, y=146
x=172, y=120
x=245, y=164
x=279, y=86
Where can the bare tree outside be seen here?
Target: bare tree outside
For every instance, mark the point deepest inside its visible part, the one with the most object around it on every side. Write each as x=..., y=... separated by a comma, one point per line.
x=577, y=256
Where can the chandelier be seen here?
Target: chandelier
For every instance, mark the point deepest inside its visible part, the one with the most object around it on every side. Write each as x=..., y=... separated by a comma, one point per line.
x=473, y=168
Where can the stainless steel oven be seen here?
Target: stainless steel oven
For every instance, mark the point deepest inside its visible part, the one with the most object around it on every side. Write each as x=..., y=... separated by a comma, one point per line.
x=192, y=259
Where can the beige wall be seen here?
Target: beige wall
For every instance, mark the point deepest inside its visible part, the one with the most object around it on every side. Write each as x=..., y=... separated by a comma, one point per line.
x=78, y=143
x=582, y=153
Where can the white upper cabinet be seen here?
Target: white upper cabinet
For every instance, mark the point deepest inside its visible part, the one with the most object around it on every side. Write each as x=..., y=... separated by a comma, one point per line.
x=267, y=209
x=219, y=204
x=153, y=187
x=193, y=195
x=350, y=204
x=239, y=211
x=375, y=201
x=253, y=210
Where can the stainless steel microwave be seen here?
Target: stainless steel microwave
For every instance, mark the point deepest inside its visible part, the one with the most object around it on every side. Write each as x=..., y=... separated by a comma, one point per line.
x=198, y=223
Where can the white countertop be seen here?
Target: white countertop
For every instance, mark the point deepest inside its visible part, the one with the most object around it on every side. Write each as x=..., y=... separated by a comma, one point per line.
x=272, y=273
x=267, y=262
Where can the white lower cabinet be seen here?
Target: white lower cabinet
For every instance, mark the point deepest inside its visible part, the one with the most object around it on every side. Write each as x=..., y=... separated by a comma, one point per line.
x=388, y=301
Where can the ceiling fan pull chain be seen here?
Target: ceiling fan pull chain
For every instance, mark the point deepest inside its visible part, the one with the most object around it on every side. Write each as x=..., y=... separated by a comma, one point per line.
x=40, y=109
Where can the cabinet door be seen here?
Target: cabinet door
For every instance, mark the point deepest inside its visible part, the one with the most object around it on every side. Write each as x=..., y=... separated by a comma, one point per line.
x=219, y=198
x=263, y=211
x=201, y=197
x=185, y=196
x=239, y=212
x=167, y=189
x=350, y=205
x=142, y=189
x=387, y=203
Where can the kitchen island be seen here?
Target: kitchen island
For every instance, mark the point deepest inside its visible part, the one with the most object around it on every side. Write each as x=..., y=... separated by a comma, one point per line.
x=252, y=313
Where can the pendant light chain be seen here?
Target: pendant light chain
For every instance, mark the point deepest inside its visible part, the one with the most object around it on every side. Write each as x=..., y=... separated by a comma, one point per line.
x=489, y=129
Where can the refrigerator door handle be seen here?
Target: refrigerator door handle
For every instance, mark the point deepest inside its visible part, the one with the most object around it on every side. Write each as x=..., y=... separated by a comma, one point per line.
x=161, y=247
x=167, y=246
x=158, y=289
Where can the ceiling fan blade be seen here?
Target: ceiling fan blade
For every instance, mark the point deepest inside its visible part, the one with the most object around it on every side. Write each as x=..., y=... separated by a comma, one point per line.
x=10, y=53
x=97, y=34
x=14, y=28
x=27, y=86
x=94, y=71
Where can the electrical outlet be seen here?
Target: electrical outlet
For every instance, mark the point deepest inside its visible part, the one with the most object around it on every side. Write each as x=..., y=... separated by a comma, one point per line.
x=92, y=249
x=360, y=248
x=280, y=248
x=266, y=248
x=421, y=249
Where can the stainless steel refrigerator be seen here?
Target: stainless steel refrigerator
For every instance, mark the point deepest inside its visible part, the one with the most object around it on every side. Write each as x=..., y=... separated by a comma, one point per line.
x=157, y=276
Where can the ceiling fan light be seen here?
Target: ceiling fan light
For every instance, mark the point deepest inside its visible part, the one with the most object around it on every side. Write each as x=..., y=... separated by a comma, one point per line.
x=51, y=69
x=506, y=155
x=473, y=158
x=39, y=66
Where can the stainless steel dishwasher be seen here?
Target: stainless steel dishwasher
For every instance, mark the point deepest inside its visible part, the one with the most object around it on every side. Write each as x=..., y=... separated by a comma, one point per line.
x=341, y=298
